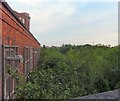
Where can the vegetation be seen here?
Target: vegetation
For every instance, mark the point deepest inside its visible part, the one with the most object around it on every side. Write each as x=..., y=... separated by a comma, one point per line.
x=70, y=71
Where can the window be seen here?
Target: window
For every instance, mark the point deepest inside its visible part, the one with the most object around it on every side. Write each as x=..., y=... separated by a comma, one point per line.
x=26, y=60
x=31, y=58
x=10, y=61
x=35, y=56
x=9, y=86
x=9, y=57
x=20, y=18
x=23, y=20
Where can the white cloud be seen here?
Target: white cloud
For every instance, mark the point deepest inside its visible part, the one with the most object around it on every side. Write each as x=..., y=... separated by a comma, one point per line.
x=49, y=19
x=97, y=27
x=50, y=16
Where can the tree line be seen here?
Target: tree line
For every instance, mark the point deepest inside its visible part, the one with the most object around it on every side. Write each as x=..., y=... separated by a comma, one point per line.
x=70, y=71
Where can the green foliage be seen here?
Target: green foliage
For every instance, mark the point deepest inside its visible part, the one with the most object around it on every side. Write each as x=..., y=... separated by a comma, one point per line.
x=70, y=71
x=9, y=69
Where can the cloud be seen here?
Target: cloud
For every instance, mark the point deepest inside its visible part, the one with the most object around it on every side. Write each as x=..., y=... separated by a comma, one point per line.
x=57, y=27
x=51, y=16
x=28, y=1
x=55, y=23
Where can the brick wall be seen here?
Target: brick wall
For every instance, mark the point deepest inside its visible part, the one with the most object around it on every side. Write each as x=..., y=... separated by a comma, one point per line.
x=15, y=34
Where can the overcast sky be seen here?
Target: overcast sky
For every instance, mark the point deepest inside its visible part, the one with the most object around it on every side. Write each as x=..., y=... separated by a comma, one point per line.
x=59, y=22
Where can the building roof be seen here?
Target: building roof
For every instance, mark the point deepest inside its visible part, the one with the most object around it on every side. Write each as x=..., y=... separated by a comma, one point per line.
x=5, y=4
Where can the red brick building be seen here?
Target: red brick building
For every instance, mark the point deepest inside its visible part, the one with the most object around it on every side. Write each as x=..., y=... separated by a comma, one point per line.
x=19, y=49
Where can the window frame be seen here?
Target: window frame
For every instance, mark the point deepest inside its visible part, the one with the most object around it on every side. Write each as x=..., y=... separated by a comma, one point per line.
x=12, y=52
x=26, y=60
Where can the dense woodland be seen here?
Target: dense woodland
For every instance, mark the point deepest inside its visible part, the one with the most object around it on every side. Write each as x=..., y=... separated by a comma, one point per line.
x=70, y=71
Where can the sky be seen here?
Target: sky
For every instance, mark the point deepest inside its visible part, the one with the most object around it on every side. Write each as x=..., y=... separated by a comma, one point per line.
x=58, y=22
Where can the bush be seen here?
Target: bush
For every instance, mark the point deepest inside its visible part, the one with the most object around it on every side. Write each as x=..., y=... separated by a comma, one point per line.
x=77, y=71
